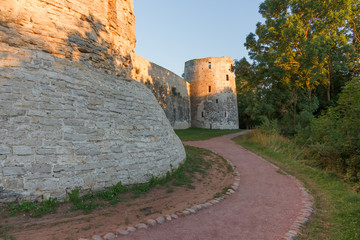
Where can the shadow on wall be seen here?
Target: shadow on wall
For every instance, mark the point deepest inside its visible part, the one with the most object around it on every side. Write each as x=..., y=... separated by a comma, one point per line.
x=87, y=47
x=170, y=91
x=215, y=111
x=95, y=51
x=19, y=103
x=64, y=125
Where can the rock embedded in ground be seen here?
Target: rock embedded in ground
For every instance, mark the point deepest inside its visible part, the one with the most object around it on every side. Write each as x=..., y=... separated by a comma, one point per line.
x=151, y=222
x=160, y=220
x=142, y=226
x=186, y=212
x=109, y=236
x=131, y=229
x=123, y=232
x=191, y=210
x=96, y=237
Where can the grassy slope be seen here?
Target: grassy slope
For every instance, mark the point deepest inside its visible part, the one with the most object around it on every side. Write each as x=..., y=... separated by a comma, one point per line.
x=337, y=207
x=196, y=134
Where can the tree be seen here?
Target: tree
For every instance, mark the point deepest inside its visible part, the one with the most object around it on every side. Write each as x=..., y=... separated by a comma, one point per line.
x=246, y=94
x=304, y=52
x=335, y=135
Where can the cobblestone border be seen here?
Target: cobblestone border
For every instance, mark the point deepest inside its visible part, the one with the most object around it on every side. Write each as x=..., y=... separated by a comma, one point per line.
x=306, y=212
x=308, y=205
x=162, y=219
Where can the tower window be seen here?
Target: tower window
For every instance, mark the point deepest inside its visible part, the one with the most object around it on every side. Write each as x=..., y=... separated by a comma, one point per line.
x=209, y=88
x=217, y=100
x=202, y=114
x=227, y=77
x=209, y=65
x=225, y=114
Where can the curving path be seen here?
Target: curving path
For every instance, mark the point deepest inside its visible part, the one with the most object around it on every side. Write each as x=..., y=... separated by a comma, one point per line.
x=265, y=206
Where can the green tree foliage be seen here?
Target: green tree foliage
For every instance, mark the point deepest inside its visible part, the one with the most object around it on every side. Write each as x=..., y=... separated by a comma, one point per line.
x=304, y=79
x=334, y=137
x=249, y=109
x=302, y=54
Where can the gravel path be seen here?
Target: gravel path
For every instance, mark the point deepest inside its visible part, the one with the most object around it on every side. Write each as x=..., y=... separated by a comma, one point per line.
x=265, y=206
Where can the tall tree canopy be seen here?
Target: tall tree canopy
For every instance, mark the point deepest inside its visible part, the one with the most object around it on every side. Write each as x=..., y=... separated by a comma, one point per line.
x=303, y=54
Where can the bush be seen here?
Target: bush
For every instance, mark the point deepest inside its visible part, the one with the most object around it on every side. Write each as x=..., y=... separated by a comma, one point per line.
x=335, y=136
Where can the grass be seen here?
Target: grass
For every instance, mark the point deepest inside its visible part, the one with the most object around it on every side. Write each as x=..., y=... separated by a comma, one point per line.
x=197, y=134
x=34, y=209
x=193, y=169
x=337, y=213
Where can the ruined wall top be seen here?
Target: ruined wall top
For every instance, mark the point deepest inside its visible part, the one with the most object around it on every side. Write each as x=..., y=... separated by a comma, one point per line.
x=98, y=32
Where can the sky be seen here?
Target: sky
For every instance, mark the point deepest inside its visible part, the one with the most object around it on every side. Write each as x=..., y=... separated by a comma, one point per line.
x=171, y=32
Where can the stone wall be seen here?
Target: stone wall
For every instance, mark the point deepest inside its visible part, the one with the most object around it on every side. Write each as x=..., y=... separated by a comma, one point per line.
x=64, y=125
x=213, y=93
x=171, y=91
x=100, y=33
x=67, y=120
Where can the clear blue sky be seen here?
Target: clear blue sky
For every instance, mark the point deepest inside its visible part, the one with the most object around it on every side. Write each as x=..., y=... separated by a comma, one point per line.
x=170, y=32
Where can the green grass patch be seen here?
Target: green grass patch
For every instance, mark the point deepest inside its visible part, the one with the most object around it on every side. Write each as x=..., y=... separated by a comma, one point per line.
x=193, y=169
x=197, y=134
x=337, y=213
x=34, y=209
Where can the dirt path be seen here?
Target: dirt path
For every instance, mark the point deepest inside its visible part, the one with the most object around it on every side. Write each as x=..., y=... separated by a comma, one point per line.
x=264, y=207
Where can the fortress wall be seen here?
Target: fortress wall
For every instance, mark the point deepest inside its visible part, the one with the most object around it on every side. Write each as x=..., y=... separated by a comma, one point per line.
x=67, y=120
x=171, y=91
x=213, y=93
x=64, y=125
x=100, y=33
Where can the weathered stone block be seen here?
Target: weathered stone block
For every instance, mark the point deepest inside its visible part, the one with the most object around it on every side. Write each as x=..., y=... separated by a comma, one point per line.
x=8, y=171
x=22, y=150
x=4, y=150
x=41, y=168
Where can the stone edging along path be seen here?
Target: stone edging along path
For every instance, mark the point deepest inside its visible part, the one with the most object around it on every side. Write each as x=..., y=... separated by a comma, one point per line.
x=186, y=212
x=307, y=209
x=253, y=210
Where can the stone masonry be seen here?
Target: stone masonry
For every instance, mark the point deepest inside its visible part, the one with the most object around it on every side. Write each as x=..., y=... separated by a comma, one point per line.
x=213, y=93
x=71, y=117
x=67, y=120
x=171, y=91
x=100, y=33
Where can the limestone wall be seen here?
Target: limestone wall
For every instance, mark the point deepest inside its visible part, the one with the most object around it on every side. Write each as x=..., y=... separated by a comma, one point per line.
x=66, y=119
x=171, y=91
x=213, y=93
x=64, y=125
x=100, y=33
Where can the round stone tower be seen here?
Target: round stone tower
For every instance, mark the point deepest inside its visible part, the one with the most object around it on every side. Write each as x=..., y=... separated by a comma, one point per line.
x=213, y=93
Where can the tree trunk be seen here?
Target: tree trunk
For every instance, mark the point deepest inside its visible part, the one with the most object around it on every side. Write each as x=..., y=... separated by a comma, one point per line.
x=329, y=78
